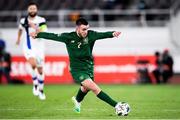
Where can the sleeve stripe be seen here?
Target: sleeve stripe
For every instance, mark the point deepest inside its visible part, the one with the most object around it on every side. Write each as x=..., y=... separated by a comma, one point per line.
x=43, y=23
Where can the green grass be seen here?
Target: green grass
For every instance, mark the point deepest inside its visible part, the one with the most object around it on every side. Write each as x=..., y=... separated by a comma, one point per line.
x=146, y=101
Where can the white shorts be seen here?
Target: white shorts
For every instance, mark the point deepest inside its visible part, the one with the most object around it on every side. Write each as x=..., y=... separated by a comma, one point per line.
x=38, y=54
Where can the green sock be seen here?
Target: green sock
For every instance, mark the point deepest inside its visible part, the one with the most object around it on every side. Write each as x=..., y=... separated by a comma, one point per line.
x=103, y=96
x=80, y=95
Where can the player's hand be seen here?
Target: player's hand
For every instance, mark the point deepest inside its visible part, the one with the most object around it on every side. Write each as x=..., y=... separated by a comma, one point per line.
x=32, y=25
x=33, y=34
x=17, y=42
x=116, y=34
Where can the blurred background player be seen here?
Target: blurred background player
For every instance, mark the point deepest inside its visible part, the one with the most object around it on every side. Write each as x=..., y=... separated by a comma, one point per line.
x=79, y=46
x=5, y=62
x=164, y=66
x=34, y=49
x=167, y=66
x=157, y=71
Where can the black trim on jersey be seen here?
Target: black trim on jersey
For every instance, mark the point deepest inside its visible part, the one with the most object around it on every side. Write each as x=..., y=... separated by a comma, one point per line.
x=43, y=23
x=26, y=24
x=22, y=24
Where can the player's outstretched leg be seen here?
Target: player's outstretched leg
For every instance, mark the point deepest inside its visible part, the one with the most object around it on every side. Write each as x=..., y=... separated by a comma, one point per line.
x=91, y=85
x=121, y=108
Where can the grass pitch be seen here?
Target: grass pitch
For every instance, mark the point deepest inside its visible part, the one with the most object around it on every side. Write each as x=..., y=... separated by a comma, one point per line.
x=146, y=101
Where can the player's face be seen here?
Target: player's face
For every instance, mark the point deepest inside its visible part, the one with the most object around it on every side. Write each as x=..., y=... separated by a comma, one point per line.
x=32, y=10
x=82, y=30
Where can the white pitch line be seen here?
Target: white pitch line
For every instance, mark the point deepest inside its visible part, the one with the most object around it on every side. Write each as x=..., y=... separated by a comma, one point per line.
x=16, y=109
x=58, y=109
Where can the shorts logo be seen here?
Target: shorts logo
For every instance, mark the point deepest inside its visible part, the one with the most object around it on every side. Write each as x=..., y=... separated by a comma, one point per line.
x=81, y=77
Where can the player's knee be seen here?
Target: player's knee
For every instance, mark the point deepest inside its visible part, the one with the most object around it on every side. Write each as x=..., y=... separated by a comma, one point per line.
x=96, y=91
x=32, y=62
x=40, y=71
x=83, y=89
x=33, y=66
x=90, y=85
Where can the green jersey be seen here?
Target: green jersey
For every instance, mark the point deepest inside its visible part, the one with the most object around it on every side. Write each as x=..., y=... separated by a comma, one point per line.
x=79, y=49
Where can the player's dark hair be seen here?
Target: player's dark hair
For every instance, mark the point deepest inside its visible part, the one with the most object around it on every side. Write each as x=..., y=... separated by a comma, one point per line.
x=33, y=3
x=81, y=21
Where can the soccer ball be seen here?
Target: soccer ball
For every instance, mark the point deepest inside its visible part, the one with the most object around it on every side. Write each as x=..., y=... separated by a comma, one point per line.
x=122, y=108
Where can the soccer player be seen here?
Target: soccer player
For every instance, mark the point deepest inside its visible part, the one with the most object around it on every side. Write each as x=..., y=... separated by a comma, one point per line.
x=34, y=49
x=79, y=45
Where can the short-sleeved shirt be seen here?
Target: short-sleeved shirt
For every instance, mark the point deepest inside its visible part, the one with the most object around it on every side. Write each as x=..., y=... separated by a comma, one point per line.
x=33, y=48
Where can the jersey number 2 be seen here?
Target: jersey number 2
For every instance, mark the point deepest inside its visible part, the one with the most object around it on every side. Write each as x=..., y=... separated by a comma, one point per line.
x=79, y=44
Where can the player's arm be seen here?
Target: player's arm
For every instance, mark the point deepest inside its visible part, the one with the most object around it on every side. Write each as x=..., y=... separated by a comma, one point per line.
x=20, y=30
x=103, y=35
x=19, y=37
x=52, y=36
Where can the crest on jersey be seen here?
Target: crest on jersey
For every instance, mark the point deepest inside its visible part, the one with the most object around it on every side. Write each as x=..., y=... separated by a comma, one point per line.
x=72, y=41
x=85, y=40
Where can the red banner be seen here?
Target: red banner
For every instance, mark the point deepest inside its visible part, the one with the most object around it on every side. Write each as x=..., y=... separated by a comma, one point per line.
x=108, y=69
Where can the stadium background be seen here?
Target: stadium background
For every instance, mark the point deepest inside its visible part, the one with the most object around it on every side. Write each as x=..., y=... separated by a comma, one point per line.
x=146, y=26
